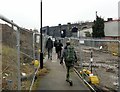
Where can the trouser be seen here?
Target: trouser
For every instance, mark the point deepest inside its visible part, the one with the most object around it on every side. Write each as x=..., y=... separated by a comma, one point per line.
x=50, y=53
x=59, y=54
x=68, y=72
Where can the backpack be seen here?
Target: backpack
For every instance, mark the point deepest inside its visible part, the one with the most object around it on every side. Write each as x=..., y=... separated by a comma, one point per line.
x=70, y=55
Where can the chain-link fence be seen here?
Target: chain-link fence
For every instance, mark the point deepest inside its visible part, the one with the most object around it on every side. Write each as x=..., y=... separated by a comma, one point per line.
x=104, y=60
x=17, y=56
x=9, y=58
x=100, y=56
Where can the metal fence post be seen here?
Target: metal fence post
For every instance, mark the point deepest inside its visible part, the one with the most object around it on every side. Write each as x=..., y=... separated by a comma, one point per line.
x=0, y=58
x=18, y=58
x=81, y=60
x=80, y=55
x=34, y=46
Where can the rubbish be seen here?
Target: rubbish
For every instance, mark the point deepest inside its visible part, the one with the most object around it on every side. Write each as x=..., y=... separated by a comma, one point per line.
x=115, y=83
x=6, y=74
x=4, y=77
x=24, y=64
x=23, y=74
x=115, y=54
x=101, y=47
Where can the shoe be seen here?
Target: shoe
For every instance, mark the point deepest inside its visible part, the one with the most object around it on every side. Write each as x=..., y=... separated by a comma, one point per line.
x=61, y=62
x=71, y=83
x=67, y=80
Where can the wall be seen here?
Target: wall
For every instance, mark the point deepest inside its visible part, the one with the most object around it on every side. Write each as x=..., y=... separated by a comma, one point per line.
x=111, y=28
x=55, y=30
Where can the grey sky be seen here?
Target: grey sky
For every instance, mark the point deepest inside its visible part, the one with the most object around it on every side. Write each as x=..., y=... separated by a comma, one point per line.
x=26, y=13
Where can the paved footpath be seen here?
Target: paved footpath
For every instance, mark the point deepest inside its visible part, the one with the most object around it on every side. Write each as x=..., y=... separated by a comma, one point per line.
x=55, y=79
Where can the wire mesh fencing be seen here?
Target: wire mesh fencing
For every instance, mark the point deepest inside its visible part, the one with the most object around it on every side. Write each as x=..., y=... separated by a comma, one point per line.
x=17, y=56
x=100, y=56
x=9, y=58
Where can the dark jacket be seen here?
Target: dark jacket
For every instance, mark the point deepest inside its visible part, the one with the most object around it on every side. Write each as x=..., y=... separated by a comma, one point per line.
x=59, y=46
x=49, y=44
x=55, y=43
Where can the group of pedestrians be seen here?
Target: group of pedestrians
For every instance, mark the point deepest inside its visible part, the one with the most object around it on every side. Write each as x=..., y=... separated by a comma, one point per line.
x=67, y=54
x=58, y=47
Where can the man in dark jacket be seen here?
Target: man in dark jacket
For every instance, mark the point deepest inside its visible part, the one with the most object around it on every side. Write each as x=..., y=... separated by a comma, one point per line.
x=59, y=46
x=49, y=47
x=55, y=44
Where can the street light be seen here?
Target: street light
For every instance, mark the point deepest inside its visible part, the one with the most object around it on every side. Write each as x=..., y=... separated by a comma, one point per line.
x=41, y=53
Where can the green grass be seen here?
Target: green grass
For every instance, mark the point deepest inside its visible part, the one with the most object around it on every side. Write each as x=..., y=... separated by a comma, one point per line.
x=9, y=64
x=41, y=72
x=36, y=84
x=8, y=54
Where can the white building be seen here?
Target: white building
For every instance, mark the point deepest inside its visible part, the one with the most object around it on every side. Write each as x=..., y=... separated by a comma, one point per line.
x=82, y=33
x=111, y=29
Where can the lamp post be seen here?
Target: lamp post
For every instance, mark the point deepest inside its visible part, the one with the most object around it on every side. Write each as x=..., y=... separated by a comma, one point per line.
x=41, y=53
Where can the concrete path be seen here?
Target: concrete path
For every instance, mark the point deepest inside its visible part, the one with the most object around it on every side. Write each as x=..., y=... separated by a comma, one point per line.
x=55, y=79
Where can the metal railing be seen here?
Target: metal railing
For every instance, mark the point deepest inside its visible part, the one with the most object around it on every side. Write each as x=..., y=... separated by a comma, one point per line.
x=19, y=29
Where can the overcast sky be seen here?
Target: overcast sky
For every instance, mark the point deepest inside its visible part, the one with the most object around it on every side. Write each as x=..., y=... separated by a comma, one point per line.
x=26, y=13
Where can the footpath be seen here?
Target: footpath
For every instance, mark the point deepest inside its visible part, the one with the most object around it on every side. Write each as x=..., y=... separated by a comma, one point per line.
x=56, y=78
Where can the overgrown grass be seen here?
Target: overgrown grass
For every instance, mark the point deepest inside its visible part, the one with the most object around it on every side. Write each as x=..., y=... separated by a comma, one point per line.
x=10, y=67
x=9, y=64
x=41, y=72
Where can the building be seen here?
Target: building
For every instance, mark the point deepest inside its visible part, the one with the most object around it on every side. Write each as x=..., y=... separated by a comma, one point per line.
x=111, y=29
x=71, y=30
x=83, y=33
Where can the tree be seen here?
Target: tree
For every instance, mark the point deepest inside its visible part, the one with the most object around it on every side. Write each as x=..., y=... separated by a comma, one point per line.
x=87, y=34
x=98, y=28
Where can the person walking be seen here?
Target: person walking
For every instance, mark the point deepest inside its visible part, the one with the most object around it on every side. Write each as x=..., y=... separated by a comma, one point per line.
x=70, y=58
x=59, y=49
x=55, y=44
x=49, y=47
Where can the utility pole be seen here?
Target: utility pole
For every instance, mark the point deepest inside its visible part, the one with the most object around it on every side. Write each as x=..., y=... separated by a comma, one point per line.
x=41, y=53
